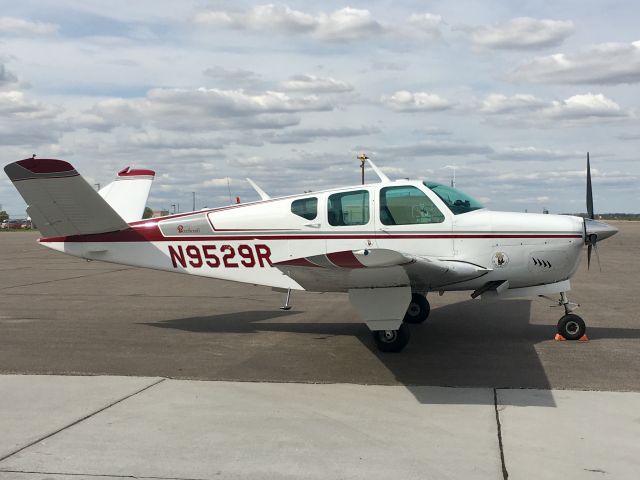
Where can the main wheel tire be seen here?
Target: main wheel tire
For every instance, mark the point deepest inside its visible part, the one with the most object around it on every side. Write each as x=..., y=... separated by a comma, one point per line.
x=392, y=340
x=571, y=327
x=418, y=310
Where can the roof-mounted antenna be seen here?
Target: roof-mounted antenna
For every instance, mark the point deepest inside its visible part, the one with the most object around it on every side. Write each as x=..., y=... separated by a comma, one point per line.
x=383, y=178
x=263, y=195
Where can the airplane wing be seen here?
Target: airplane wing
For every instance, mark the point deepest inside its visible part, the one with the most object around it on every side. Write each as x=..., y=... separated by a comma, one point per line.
x=377, y=268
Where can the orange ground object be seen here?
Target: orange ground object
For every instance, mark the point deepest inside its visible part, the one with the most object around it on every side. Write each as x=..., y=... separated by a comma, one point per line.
x=560, y=338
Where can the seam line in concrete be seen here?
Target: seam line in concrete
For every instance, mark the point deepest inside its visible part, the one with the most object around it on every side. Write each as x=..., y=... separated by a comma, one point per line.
x=505, y=473
x=64, y=279
x=76, y=422
x=98, y=475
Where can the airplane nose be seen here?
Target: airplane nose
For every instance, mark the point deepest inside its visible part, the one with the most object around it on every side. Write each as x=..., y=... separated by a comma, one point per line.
x=600, y=229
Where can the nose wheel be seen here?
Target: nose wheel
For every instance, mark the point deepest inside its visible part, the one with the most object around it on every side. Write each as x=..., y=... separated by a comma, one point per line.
x=570, y=326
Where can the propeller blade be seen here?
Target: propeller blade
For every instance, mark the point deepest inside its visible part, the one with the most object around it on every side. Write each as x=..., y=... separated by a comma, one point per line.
x=589, y=256
x=589, y=190
x=595, y=248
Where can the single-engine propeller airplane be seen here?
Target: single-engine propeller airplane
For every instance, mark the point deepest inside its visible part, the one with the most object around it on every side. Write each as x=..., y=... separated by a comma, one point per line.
x=386, y=244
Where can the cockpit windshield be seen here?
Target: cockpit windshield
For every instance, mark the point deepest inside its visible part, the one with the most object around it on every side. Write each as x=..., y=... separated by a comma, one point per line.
x=457, y=201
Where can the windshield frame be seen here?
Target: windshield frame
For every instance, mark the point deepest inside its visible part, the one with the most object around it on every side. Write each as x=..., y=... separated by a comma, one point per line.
x=451, y=196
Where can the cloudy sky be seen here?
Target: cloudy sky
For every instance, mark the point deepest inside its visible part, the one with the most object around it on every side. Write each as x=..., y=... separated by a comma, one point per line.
x=509, y=93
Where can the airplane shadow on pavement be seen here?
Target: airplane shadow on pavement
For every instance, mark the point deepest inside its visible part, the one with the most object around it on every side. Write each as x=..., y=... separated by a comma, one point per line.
x=467, y=344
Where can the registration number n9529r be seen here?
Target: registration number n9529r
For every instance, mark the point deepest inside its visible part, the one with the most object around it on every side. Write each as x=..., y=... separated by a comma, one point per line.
x=216, y=256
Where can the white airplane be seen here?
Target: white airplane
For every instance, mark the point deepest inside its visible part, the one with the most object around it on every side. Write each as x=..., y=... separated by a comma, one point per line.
x=386, y=244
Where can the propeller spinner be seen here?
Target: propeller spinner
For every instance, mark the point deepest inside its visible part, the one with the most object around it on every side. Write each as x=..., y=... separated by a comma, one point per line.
x=594, y=231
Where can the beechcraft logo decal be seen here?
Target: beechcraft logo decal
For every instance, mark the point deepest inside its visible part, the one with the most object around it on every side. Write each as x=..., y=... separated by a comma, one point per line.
x=500, y=259
x=188, y=229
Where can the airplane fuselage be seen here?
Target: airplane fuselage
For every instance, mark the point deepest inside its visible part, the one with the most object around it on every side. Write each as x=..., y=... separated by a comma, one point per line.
x=271, y=242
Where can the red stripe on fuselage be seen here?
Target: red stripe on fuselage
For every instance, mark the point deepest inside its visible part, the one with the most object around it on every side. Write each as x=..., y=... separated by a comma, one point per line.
x=150, y=232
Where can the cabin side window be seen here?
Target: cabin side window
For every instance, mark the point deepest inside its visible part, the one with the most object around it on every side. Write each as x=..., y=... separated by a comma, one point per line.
x=305, y=208
x=407, y=206
x=348, y=208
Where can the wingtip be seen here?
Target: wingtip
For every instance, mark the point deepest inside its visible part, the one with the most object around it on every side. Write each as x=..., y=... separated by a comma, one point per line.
x=45, y=165
x=39, y=168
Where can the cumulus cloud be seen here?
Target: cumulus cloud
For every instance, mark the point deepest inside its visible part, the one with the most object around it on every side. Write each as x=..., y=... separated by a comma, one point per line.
x=260, y=18
x=19, y=26
x=202, y=108
x=175, y=141
x=426, y=25
x=522, y=33
x=313, y=84
x=306, y=135
x=533, y=154
x=528, y=110
x=585, y=107
x=629, y=136
x=28, y=122
x=405, y=101
x=496, y=103
x=428, y=149
x=347, y=24
x=607, y=63
x=343, y=25
x=6, y=77
x=231, y=75
x=15, y=104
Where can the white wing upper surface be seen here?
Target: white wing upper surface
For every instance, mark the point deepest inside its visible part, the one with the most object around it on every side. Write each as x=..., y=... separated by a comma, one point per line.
x=377, y=268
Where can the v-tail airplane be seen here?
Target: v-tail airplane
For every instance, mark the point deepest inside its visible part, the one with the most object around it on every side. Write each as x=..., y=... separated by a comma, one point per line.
x=386, y=244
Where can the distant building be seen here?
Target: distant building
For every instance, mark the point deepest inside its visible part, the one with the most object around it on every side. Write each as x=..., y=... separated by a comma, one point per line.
x=160, y=213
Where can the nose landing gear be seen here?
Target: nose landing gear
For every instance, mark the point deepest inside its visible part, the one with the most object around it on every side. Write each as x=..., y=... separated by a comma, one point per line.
x=570, y=326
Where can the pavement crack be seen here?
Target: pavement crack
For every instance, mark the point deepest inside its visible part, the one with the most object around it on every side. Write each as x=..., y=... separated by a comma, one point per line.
x=505, y=473
x=64, y=279
x=76, y=422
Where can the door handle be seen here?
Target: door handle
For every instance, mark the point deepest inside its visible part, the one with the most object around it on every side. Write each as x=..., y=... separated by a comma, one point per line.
x=312, y=225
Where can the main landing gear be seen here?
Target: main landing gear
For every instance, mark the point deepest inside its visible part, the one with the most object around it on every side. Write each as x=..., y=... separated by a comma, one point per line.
x=418, y=310
x=570, y=326
x=392, y=340
x=395, y=340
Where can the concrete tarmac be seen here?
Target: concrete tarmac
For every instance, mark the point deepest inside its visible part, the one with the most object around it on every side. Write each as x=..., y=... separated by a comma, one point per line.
x=57, y=428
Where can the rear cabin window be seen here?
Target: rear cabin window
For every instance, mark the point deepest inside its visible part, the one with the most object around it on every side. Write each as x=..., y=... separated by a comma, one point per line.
x=305, y=208
x=407, y=206
x=348, y=208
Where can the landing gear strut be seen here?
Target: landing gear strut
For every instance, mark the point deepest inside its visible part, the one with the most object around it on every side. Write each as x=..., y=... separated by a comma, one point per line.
x=418, y=310
x=570, y=326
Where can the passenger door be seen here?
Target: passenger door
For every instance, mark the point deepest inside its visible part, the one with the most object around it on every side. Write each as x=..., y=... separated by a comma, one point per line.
x=409, y=221
x=349, y=221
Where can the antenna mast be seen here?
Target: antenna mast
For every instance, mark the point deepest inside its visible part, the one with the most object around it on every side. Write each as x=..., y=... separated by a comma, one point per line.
x=363, y=158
